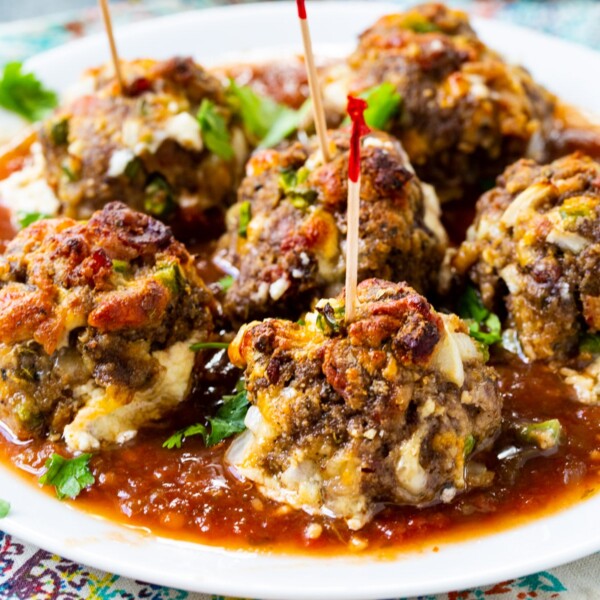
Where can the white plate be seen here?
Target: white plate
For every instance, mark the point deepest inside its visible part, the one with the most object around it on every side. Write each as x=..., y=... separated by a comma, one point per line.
x=214, y=36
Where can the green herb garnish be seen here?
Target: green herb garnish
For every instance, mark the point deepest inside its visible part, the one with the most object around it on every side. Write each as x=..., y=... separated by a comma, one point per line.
x=544, y=435
x=24, y=94
x=265, y=120
x=25, y=219
x=285, y=124
x=383, y=104
x=292, y=183
x=469, y=445
x=225, y=282
x=214, y=130
x=69, y=476
x=170, y=276
x=329, y=319
x=245, y=218
x=133, y=167
x=590, y=342
x=120, y=266
x=59, y=132
x=177, y=439
x=484, y=325
x=228, y=421
x=159, y=200
x=68, y=172
x=208, y=346
x=4, y=508
x=419, y=24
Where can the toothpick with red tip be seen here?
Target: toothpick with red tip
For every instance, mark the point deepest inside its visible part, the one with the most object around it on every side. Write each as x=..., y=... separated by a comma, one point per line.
x=313, y=82
x=356, y=110
x=111, y=42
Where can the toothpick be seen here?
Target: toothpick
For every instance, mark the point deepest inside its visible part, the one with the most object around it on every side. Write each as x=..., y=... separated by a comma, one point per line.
x=111, y=42
x=356, y=109
x=313, y=82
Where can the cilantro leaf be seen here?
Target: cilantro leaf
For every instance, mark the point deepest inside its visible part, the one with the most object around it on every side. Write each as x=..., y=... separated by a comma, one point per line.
x=484, y=325
x=4, y=508
x=228, y=420
x=590, y=343
x=214, y=130
x=177, y=439
x=383, y=103
x=24, y=94
x=208, y=346
x=69, y=476
x=267, y=121
x=25, y=219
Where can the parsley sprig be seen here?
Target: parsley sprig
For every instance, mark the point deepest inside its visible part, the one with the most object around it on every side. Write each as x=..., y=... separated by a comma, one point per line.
x=228, y=421
x=24, y=94
x=4, y=508
x=69, y=476
x=484, y=325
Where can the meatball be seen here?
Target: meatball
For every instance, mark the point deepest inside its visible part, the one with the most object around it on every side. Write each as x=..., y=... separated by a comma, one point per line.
x=389, y=409
x=465, y=114
x=535, y=248
x=145, y=145
x=96, y=319
x=286, y=236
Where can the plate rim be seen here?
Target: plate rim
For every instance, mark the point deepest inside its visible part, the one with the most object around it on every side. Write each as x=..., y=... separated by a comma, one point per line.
x=374, y=591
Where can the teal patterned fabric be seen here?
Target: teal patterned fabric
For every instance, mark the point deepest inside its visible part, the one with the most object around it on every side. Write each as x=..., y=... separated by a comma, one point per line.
x=28, y=573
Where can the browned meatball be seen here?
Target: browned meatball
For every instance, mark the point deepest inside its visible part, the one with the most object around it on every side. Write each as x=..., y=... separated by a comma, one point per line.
x=389, y=408
x=535, y=248
x=286, y=236
x=465, y=113
x=96, y=319
x=144, y=145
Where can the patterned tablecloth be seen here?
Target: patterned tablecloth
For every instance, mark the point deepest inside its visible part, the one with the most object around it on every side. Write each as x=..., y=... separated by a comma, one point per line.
x=28, y=573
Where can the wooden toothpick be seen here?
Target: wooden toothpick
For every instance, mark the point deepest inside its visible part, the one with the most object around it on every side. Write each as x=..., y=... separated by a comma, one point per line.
x=313, y=82
x=356, y=109
x=111, y=42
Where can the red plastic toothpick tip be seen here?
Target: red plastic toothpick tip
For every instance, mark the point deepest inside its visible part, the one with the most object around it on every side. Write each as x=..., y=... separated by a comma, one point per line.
x=356, y=111
x=301, y=9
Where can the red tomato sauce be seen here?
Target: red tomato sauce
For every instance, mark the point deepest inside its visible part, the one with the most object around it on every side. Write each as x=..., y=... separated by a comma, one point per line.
x=190, y=494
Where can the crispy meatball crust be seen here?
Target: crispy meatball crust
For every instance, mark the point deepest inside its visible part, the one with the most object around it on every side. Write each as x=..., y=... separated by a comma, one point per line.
x=143, y=145
x=465, y=113
x=386, y=409
x=291, y=250
x=91, y=303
